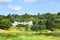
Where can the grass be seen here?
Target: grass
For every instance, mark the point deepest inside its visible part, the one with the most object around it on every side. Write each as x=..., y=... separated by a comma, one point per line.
x=21, y=37
x=24, y=35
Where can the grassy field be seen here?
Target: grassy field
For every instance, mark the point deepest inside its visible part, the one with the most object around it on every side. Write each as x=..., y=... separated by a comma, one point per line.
x=19, y=35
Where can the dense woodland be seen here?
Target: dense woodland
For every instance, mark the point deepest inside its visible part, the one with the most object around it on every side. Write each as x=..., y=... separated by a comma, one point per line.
x=48, y=21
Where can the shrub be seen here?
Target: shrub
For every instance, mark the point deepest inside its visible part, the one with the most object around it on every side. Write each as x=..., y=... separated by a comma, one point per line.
x=5, y=24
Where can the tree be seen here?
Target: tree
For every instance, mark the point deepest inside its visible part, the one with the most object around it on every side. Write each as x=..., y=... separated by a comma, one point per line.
x=8, y=16
x=41, y=25
x=35, y=28
x=50, y=25
x=58, y=13
x=50, y=22
x=20, y=25
x=37, y=25
x=27, y=27
x=5, y=24
x=11, y=17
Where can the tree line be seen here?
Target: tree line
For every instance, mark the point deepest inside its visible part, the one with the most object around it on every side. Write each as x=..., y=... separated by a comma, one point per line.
x=47, y=21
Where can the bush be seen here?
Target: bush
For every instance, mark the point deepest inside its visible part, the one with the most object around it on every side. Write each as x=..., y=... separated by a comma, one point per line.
x=5, y=24
x=57, y=25
x=20, y=25
x=35, y=28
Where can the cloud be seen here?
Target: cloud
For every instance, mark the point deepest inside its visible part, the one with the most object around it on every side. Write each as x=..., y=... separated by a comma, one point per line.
x=30, y=1
x=5, y=1
x=16, y=8
x=45, y=0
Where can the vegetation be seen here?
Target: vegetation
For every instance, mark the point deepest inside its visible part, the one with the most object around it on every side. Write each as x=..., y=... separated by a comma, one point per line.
x=5, y=23
x=42, y=24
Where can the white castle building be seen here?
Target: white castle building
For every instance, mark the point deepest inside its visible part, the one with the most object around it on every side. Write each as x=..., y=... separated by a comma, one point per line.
x=30, y=23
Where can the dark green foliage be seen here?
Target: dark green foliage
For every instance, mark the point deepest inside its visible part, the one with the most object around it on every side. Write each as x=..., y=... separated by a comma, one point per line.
x=50, y=25
x=35, y=28
x=5, y=24
x=40, y=21
x=27, y=27
x=20, y=25
x=58, y=13
x=57, y=25
x=38, y=25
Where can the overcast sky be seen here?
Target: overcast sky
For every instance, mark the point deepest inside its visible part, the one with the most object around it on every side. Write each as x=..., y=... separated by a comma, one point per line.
x=29, y=6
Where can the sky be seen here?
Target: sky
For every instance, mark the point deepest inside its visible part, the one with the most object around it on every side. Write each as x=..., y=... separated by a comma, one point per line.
x=29, y=6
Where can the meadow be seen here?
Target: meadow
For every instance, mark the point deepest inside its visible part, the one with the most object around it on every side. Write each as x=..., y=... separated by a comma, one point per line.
x=24, y=35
